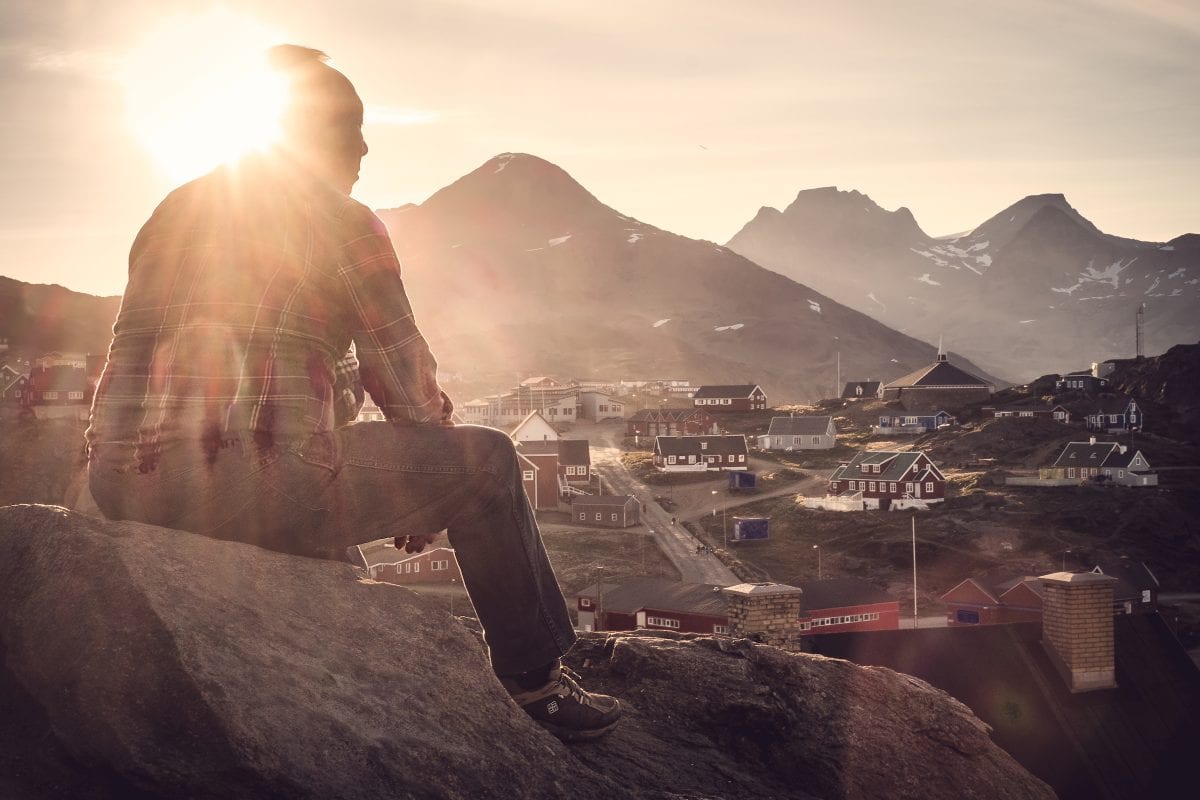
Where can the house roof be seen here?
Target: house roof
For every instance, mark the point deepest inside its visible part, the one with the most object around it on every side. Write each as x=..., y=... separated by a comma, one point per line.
x=799, y=426
x=841, y=593
x=61, y=378
x=665, y=414
x=384, y=551
x=868, y=388
x=718, y=444
x=893, y=465
x=1133, y=577
x=739, y=391
x=1134, y=741
x=1085, y=454
x=660, y=594
x=1112, y=404
x=938, y=374
x=538, y=447
x=617, y=500
x=574, y=451
x=1121, y=460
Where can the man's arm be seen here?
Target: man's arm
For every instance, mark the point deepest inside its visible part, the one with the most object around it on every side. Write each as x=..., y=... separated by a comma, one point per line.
x=347, y=390
x=395, y=364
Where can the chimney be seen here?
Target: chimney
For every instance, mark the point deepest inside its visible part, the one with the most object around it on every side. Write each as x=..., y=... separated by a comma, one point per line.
x=1077, y=628
x=1091, y=440
x=766, y=612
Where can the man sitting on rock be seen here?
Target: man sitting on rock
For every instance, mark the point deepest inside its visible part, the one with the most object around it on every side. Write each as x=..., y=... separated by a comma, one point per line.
x=232, y=375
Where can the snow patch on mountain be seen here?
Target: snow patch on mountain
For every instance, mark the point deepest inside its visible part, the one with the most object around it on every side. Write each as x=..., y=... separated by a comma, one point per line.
x=1110, y=275
x=927, y=279
x=984, y=260
x=1027, y=321
x=1167, y=247
x=502, y=161
x=661, y=322
x=737, y=326
x=871, y=296
x=558, y=240
x=815, y=306
x=634, y=238
x=1178, y=273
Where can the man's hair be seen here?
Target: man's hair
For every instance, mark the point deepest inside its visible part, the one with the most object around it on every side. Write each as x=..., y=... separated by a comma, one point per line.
x=317, y=93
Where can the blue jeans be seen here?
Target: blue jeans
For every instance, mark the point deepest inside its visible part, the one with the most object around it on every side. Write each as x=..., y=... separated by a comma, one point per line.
x=366, y=481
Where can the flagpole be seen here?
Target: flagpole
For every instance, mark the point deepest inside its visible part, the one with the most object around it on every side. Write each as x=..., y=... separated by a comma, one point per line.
x=914, y=549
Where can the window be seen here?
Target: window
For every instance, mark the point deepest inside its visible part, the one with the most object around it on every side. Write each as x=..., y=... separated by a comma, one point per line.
x=704, y=445
x=585, y=602
x=816, y=440
x=1112, y=418
x=417, y=567
x=74, y=395
x=408, y=567
x=599, y=516
x=1120, y=473
x=1070, y=472
x=929, y=486
x=875, y=468
x=742, y=458
x=908, y=487
x=49, y=395
x=527, y=475
x=721, y=629
x=806, y=626
x=892, y=488
x=872, y=486
x=966, y=617
x=582, y=516
x=670, y=459
x=438, y=566
x=662, y=622
x=865, y=469
x=612, y=518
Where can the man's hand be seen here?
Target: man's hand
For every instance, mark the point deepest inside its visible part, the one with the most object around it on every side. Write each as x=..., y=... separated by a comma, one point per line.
x=415, y=543
x=447, y=410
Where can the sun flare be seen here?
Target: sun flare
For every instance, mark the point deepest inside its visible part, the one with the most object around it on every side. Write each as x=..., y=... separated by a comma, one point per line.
x=199, y=91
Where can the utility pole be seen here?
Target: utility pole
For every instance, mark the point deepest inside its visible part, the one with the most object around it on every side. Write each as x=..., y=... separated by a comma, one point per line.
x=1139, y=336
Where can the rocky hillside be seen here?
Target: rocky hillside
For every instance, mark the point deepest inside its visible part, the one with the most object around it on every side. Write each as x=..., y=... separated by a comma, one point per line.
x=1037, y=288
x=36, y=318
x=516, y=269
x=139, y=662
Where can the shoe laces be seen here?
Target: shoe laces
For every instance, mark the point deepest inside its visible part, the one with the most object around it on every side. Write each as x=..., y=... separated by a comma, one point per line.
x=569, y=679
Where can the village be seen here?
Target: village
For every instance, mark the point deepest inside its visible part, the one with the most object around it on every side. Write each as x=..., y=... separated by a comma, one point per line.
x=919, y=523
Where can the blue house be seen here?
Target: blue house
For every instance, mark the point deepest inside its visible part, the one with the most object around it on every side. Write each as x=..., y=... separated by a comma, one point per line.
x=914, y=424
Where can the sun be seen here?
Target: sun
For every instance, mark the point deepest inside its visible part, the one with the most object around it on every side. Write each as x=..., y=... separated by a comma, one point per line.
x=199, y=91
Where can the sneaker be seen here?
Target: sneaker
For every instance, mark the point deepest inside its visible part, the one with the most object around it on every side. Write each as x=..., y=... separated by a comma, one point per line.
x=565, y=709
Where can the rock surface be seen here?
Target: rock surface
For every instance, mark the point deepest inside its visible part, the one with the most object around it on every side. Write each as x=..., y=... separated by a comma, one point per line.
x=137, y=662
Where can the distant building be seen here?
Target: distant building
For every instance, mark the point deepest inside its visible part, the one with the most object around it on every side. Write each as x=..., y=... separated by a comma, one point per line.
x=389, y=564
x=846, y=604
x=1115, y=413
x=1091, y=459
x=1082, y=381
x=860, y=390
x=742, y=397
x=940, y=385
x=671, y=422
x=700, y=453
x=533, y=427
x=598, y=406
x=890, y=479
x=913, y=424
x=1029, y=409
x=800, y=433
x=607, y=511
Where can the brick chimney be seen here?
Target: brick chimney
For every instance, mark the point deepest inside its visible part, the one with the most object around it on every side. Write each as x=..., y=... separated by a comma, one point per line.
x=766, y=612
x=1077, y=628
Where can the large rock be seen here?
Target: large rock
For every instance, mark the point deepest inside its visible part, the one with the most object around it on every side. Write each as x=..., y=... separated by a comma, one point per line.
x=141, y=662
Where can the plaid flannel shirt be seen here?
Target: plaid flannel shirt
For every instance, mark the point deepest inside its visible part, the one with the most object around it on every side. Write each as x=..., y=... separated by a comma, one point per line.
x=247, y=289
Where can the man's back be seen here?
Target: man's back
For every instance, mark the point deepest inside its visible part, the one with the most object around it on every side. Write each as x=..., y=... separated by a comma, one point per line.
x=244, y=292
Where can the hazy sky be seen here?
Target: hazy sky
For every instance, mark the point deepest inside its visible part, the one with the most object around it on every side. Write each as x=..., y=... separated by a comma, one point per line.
x=688, y=115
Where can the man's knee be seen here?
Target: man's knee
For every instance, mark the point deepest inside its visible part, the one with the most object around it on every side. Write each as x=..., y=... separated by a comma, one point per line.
x=490, y=448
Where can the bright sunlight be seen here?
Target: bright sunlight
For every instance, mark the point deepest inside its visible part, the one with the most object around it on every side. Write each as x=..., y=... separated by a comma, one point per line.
x=199, y=91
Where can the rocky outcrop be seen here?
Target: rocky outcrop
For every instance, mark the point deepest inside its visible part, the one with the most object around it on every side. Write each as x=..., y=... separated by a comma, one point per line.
x=138, y=662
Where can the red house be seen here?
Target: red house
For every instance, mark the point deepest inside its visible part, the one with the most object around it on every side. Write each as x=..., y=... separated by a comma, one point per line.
x=671, y=422
x=743, y=397
x=539, y=476
x=833, y=606
x=388, y=564
x=654, y=603
x=607, y=511
x=58, y=385
x=700, y=453
x=888, y=479
x=839, y=605
x=560, y=464
x=976, y=601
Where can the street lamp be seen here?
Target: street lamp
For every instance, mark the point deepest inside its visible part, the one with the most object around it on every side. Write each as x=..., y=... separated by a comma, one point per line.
x=453, y=588
x=1064, y=559
x=817, y=547
x=724, y=535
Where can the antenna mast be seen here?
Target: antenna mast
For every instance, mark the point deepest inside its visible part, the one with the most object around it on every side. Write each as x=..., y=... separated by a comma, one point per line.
x=1141, y=321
